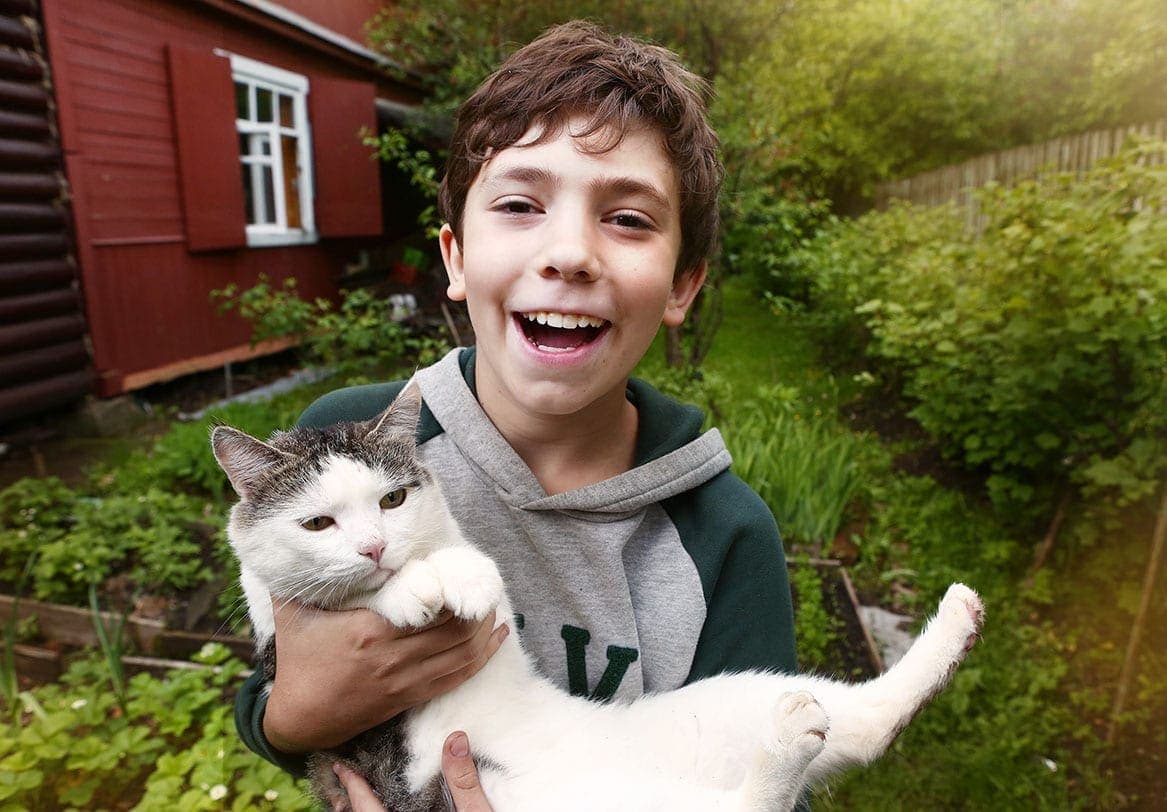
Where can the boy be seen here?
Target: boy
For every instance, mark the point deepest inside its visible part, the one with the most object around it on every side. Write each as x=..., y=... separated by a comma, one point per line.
x=580, y=203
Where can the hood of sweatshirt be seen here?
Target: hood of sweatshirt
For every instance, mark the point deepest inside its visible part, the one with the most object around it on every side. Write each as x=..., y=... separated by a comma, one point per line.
x=672, y=454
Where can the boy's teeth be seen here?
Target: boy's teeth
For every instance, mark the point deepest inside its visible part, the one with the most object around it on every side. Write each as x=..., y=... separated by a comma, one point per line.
x=567, y=321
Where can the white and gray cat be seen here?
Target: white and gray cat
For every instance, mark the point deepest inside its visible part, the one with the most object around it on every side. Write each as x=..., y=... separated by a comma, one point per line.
x=348, y=517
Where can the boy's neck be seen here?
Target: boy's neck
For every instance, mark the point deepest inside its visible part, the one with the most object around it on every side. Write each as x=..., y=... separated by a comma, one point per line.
x=566, y=452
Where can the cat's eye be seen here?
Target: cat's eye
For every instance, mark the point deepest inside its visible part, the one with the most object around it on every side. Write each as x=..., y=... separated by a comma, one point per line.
x=317, y=523
x=393, y=499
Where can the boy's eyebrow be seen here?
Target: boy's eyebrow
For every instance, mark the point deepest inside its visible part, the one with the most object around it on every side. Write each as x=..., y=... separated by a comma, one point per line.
x=528, y=175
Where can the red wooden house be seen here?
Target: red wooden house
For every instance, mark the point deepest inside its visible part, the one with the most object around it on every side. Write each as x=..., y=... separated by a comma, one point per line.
x=152, y=151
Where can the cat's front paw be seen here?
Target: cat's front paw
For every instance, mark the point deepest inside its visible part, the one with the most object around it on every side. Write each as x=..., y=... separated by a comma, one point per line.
x=413, y=597
x=471, y=584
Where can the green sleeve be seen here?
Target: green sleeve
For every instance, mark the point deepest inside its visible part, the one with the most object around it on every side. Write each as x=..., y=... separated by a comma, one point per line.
x=733, y=540
x=250, y=703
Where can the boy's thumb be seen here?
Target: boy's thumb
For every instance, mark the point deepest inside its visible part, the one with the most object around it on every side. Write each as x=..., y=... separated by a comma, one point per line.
x=461, y=775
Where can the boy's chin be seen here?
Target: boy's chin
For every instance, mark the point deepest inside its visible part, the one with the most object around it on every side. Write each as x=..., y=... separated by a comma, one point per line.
x=564, y=398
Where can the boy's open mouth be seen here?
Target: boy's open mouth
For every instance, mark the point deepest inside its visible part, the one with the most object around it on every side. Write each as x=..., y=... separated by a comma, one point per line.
x=560, y=332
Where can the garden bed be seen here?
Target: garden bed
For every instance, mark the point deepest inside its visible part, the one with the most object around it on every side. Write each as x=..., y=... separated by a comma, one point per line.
x=61, y=631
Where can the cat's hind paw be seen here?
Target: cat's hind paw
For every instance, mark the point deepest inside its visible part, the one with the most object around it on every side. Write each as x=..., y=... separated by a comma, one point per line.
x=800, y=728
x=471, y=583
x=412, y=598
x=962, y=613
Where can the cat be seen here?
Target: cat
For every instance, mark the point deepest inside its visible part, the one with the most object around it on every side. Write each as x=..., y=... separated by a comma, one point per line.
x=348, y=517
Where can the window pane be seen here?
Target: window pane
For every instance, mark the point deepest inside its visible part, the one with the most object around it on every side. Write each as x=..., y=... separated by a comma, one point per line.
x=248, y=196
x=242, y=107
x=291, y=181
x=286, y=117
x=263, y=104
x=269, y=195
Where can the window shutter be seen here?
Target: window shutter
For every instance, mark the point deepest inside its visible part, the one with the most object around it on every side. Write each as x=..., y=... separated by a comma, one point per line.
x=203, y=98
x=348, y=176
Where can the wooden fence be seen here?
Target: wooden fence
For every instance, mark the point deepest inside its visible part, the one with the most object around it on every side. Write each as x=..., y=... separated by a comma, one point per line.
x=1073, y=153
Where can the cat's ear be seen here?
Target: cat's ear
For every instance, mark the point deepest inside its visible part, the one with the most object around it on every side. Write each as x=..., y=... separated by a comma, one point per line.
x=243, y=458
x=401, y=417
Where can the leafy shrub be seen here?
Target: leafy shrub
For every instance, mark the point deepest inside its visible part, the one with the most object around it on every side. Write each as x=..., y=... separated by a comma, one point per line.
x=174, y=746
x=1034, y=350
x=356, y=338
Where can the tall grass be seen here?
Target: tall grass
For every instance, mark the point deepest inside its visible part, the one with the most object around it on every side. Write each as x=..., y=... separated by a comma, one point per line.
x=805, y=469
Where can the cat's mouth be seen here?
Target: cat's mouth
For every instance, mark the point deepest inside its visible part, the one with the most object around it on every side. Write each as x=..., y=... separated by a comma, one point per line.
x=560, y=332
x=379, y=577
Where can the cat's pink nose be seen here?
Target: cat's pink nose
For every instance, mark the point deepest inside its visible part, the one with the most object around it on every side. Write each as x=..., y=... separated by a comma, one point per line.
x=373, y=551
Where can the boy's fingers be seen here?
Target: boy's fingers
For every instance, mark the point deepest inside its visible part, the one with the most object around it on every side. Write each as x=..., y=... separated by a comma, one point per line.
x=360, y=794
x=462, y=775
x=472, y=653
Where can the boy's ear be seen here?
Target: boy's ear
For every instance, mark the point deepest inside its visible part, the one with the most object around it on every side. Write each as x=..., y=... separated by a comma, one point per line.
x=452, y=259
x=684, y=291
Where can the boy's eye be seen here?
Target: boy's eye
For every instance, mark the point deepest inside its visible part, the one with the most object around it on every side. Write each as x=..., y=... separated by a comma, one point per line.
x=627, y=219
x=393, y=499
x=317, y=523
x=516, y=207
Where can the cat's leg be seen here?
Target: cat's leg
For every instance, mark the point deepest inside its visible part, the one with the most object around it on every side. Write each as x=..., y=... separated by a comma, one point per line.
x=798, y=734
x=412, y=597
x=866, y=718
x=471, y=583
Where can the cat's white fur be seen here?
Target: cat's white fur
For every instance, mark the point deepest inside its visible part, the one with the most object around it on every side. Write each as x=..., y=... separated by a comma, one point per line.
x=749, y=741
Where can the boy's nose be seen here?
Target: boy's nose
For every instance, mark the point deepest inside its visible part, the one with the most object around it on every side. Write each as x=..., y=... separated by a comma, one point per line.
x=570, y=252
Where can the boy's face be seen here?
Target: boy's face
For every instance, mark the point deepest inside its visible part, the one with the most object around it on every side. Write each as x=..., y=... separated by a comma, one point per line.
x=566, y=264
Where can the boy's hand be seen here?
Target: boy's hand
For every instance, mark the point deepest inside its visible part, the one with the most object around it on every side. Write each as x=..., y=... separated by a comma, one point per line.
x=341, y=673
x=461, y=775
x=457, y=768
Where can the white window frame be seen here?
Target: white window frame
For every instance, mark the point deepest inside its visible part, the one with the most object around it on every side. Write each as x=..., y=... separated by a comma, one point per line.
x=277, y=80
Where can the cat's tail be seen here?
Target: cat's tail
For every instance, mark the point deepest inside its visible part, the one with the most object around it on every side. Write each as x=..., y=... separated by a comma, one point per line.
x=866, y=718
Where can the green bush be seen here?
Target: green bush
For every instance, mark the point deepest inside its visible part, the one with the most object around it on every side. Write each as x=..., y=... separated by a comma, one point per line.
x=1035, y=350
x=358, y=337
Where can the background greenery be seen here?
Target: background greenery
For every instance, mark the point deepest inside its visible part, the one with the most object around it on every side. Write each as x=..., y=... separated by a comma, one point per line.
x=915, y=397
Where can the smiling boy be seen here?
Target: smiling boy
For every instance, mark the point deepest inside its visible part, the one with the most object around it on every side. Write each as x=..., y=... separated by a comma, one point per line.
x=580, y=203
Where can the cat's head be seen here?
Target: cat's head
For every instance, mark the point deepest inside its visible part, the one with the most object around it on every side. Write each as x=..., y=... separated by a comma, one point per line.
x=327, y=514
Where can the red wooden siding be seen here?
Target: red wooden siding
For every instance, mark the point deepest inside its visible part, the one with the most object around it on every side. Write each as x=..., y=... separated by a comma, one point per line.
x=124, y=134
x=348, y=180
x=208, y=148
